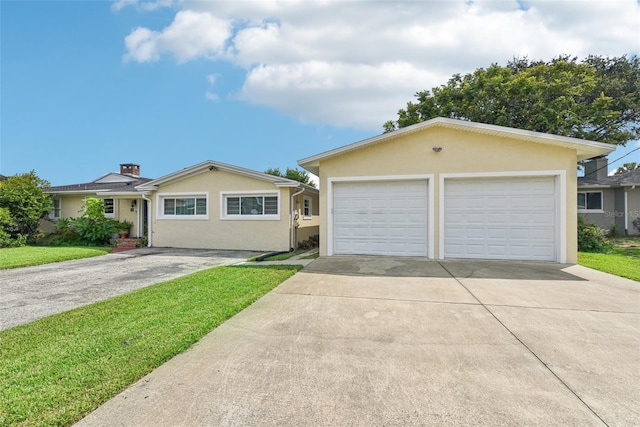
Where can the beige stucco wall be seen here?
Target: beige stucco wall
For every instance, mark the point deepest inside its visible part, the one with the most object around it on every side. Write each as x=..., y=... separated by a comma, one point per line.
x=462, y=152
x=307, y=227
x=217, y=233
x=123, y=212
x=71, y=206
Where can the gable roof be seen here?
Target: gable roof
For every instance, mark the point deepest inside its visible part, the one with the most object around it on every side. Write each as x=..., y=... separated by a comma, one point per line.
x=109, y=184
x=627, y=179
x=211, y=165
x=585, y=149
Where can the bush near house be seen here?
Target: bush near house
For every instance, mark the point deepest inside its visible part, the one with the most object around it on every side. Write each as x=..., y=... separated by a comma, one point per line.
x=22, y=205
x=591, y=238
x=92, y=228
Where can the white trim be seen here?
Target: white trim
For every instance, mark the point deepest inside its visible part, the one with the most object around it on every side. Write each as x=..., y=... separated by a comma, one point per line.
x=248, y=193
x=419, y=177
x=561, y=201
x=585, y=149
x=213, y=167
x=626, y=211
x=310, y=216
x=114, y=206
x=181, y=195
x=587, y=211
x=52, y=212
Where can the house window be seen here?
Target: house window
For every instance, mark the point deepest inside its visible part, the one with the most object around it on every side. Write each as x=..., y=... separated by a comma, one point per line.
x=250, y=206
x=306, y=208
x=188, y=207
x=55, y=212
x=109, y=210
x=590, y=201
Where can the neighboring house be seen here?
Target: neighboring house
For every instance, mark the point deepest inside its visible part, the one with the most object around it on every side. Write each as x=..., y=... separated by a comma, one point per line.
x=453, y=189
x=609, y=200
x=210, y=205
x=118, y=192
x=215, y=205
x=2, y=177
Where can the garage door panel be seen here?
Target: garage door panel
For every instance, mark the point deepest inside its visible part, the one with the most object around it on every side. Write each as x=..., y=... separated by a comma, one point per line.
x=393, y=223
x=505, y=218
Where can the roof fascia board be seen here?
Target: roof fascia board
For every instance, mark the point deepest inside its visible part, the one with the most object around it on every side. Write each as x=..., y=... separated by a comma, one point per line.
x=200, y=167
x=589, y=148
x=71, y=191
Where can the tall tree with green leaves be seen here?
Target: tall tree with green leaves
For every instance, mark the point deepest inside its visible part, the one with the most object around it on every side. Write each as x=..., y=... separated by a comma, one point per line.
x=597, y=98
x=627, y=167
x=294, y=174
x=22, y=198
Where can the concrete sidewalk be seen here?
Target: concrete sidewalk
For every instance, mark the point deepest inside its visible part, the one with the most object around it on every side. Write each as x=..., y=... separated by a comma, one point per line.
x=489, y=344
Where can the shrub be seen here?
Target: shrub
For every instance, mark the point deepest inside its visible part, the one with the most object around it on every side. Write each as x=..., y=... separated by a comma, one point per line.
x=310, y=243
x=591, y=238
x=92, y=228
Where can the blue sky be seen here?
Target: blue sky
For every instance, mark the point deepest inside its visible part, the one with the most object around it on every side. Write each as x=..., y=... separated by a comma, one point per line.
x=167, y=84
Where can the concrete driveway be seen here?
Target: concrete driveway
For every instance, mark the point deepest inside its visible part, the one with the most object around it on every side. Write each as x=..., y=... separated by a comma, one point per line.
x=364, y=341
x=27, y=294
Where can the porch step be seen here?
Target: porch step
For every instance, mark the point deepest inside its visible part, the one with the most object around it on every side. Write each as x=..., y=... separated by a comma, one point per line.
x=125, y=244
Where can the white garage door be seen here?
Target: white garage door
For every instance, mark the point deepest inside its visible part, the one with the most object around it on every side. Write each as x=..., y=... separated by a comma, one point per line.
x=506, y=218
x=380, y=218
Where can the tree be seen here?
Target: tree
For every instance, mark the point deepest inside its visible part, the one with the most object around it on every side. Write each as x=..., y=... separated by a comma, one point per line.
x=26, y=204
x=627, y=167
x=294, y=174
x=596, y=99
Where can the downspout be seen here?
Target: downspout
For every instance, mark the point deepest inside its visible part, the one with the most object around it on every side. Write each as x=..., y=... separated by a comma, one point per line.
x=149, y=221
x=292, y=231
x=626, y=213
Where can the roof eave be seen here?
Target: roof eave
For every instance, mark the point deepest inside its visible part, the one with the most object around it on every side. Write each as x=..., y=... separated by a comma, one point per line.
x=585, y=149
x=211, y=165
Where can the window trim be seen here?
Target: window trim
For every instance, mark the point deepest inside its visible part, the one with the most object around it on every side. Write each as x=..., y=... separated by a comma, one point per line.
x=112, y=214
x=258, y=193
x=52, y=212
x=160, y=198
x=586, y=208
x=306, y=199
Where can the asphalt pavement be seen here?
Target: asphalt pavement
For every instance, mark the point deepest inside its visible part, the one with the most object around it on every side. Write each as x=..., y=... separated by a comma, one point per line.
x=28, y=294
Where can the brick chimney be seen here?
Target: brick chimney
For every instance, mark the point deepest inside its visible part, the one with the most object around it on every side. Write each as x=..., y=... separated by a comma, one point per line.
x=596, y=169
x=129, y=169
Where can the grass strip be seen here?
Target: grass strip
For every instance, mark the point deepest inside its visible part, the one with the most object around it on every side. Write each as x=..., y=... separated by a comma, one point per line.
x=620, y=265
x=36, y=255
x=56, y=370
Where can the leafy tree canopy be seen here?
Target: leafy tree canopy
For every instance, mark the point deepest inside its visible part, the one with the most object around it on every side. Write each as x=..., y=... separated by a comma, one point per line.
x=596, y=99
x=628, y=167
x=294, y=174
x=24, y=204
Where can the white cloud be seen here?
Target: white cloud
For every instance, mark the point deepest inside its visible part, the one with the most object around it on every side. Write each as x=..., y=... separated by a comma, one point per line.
x=357, y=63
x=210, y=96
x=150, y=6
x=191, y=35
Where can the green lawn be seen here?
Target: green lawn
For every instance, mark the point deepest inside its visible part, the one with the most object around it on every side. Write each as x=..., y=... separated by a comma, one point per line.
x=55, y=370
x=35, y=255
x=622, y=260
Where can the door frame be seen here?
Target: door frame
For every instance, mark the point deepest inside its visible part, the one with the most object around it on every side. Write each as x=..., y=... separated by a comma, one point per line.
x=560, y=188
x=420, y=177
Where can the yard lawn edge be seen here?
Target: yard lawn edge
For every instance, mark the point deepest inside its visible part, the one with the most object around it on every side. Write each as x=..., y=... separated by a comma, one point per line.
x=93, y=335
